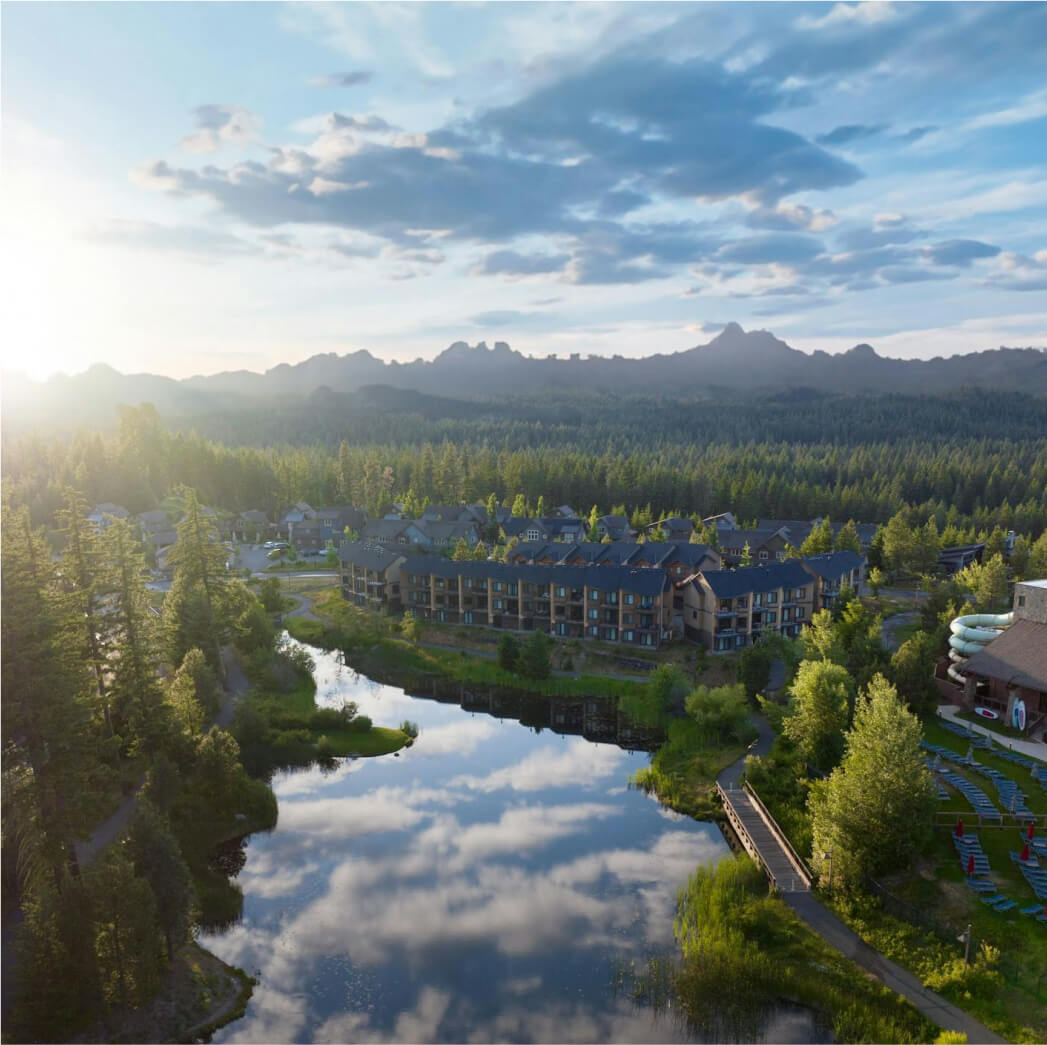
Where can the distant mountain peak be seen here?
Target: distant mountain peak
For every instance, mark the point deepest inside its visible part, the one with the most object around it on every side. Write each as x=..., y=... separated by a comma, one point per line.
x=862, y=351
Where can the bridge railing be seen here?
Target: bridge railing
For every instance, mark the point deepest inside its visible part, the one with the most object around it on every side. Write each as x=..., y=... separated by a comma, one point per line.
x=799, y=864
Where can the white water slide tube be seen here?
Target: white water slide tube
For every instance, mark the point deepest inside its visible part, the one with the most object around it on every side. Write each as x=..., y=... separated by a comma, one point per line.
x=970, y=634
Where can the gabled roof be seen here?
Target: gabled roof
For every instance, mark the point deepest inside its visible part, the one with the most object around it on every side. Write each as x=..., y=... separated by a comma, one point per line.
x=654, y=554
x=443, y=512
x=833, y=565
x=548, y=525
x=117, y=511
x=446, y=531
x=368, y=556
x=386, y=527
x=253, y=515
x=1018, y=656
x=727, y=584
x=755, y=538
x=157, y=519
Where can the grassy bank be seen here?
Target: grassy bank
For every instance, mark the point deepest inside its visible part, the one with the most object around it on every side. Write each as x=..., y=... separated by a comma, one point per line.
x=744, y=953
x=376, y=650
x=278, y=723
x=683, y=771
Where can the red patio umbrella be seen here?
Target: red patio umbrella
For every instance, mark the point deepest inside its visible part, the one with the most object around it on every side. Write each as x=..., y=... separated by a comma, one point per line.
x=970, y=864
x=1031, y=833
x=959, y=828
x=1025, y=851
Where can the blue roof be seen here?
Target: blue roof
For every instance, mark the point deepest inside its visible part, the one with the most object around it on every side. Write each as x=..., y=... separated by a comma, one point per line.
x=612, y=578
x=727, y=584
x=834, y=564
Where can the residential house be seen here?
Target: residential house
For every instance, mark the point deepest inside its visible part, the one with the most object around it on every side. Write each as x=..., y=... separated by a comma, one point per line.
x=675, y=528
x=611, y=603
x=103, y=514
x=729, y=609
x=448, y=513
x=1013, y=667
x=565, y=511
x=157, y=529
x=723, y=521
x=616, y=527
x=310, y=536
x=548, y=528
x=959, y=557
x=300, y=512
x=765, y=546
x=402, y=532
x=448, y=534
x=252, y=525
x=370, y=575
x=831, y=572
x=335, y=520
x=799, y=530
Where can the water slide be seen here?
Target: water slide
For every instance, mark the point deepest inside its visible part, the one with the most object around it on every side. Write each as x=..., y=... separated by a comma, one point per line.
x=971, y=633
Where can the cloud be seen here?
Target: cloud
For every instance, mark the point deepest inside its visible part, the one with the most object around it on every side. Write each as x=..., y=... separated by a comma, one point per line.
x=850, y=132
x=512, y=318
x=902, y=274
x=789, y=216
x=914, y=134
x=219, y=125
x=760, y=250
x=959, y=252
x=870, y=12
x=353, y=78
x=1020, y=272
x=513, y=263
x=579, y=763
x=200, y=241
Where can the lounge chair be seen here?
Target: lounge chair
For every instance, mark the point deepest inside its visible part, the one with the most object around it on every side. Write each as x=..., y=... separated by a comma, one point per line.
x=1037, y=908
x=1005, y=906
x=992, y=901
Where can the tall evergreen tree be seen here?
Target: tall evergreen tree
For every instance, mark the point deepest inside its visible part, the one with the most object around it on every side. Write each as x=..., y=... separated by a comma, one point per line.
x=46, y=708
x=847, y=539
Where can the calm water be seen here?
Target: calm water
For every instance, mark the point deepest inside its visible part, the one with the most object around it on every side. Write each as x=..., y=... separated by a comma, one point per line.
x=484, y=886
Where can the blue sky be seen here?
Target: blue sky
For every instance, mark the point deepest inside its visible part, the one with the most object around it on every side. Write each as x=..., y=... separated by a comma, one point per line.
x=190, y=188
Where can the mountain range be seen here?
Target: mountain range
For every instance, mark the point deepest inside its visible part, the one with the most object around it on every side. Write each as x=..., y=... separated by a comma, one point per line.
x=736, y=360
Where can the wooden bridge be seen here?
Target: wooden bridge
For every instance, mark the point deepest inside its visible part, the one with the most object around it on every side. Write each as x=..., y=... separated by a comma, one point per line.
x=764, y=840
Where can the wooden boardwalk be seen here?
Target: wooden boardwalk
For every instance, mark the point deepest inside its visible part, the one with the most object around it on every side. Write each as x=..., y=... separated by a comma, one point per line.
x=763, y=840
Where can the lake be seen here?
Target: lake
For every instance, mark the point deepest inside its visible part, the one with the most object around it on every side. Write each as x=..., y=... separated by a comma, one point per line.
x=489, y=884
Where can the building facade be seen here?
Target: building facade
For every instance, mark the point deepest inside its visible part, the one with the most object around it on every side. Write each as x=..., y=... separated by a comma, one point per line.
x=370, y=575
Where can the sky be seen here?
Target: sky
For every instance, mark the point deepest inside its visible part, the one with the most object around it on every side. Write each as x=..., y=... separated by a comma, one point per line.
x=190, y=188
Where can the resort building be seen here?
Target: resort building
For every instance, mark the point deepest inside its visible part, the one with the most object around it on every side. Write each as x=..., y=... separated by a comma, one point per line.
x=370, y=575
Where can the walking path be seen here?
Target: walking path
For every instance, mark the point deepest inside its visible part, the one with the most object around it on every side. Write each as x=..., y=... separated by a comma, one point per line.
x=1031, y=748
x=893, y=624
x=109, y=829
x=823, y=921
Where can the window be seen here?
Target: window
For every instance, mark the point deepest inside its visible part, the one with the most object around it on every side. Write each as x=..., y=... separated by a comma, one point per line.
x=772, y=617
x=763, y=554
x=561, y=628
x=627, y=636
x=1021, y=600
x=413, y=579
x=498, y=586
x=801, y=593
x=627, y=618
x=467, y=617
x=594, y=593
x=786, y=615
x=757, y=601
x=512, y=589
x=594, y=631
x=498, y=604
x=612, y=598
x=780, y=556
x=594, y=615
x=772, y=598
x=612, y=634
x=694, y=614
x=629, y=599
x=561, y=593
x=799, y=613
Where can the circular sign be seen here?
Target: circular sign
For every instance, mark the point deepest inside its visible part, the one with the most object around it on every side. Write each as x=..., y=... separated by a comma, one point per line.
x=1019, y=714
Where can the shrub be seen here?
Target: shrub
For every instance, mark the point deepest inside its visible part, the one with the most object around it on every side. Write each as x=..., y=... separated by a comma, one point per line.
x=360, y=724
x=508, y=652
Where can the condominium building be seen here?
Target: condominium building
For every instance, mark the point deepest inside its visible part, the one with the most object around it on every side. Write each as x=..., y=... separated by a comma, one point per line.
x=610, y=603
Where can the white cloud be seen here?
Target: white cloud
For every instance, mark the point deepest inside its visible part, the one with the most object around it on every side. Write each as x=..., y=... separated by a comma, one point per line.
x=868, y=12
x=219, y=125
x=581, y=763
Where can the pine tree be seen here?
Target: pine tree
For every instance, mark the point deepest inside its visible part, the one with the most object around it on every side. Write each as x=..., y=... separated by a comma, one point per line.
x=46, y=708
x=461, y=550
x=847, y=539
x=82, y=573
x=138, y=703
x=158, y=859
x=594, y=516
x=819, y=540
x=199, y=562
x=747, y=556
x=541, y=510
x=519, y=507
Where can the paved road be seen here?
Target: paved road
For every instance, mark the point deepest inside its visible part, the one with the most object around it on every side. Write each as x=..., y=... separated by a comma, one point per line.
x=837, y=935
x=892, y=625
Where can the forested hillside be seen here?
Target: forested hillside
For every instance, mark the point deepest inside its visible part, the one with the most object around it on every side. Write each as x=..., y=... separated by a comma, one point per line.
x=974, y=461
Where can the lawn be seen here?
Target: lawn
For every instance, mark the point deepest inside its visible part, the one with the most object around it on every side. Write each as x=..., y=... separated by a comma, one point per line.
x=378, y=740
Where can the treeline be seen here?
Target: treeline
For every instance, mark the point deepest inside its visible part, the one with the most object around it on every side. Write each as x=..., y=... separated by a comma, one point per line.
x=101, y=691
x=962, y=482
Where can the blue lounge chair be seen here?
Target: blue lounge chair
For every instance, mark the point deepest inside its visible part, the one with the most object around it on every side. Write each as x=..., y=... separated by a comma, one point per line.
x=1037, y=908
x=992, y=901
x=1005, y=906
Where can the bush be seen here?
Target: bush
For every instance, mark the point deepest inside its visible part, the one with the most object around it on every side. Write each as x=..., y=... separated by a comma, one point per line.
x=360, y=724
x=508, y=653
x=534, y=660
x=409, y=727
